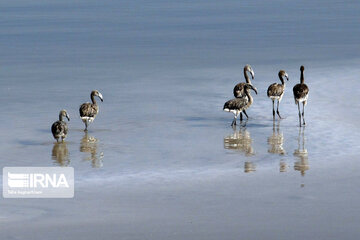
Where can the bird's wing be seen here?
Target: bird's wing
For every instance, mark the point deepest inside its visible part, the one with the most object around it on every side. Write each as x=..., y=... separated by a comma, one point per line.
x=300, y=90
x=88, y=110
x=58, y=128
x=275, y=90
x=235, y=103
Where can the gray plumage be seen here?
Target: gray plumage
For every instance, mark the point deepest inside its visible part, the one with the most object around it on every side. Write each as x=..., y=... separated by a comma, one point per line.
x=239, y=88
x=59, y=128
x=301, y=92
x=276, y=91
x=88, y=111
x=238, y=105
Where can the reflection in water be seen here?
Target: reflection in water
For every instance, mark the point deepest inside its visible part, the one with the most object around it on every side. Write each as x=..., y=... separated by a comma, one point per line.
x=89, y=144
x=276, y=141
x=249, y=167
x=60, y=154
x=283, y=166
x=240, y=141
x=302, y=163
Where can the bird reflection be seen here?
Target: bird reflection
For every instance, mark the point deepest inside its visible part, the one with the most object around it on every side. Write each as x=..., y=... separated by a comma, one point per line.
x=302, y=163
x=276, y=141
x=240, y=141
x=60, y=154
x=249, y=167
x=283, y=166
x=89, y=144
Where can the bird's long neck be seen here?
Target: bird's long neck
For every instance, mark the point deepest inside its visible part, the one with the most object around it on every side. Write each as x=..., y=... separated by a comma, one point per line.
x=302, y=77
x=93, y=99
x=247, y=92
x=61, y=117
x=281, y=79
x=246, y=76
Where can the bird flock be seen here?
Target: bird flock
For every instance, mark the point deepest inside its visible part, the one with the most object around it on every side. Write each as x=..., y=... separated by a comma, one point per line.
x=243, y=99
x=238, y=105
x=88, y=112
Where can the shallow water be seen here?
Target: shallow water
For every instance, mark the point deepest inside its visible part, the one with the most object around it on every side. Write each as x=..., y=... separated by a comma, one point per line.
x=161, y=160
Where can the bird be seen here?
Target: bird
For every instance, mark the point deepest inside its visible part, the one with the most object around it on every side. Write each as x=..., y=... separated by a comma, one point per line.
x=239, y=88
x=88, y=111
x=301, y=92
x=59, y=128
x=238, y=105
x=276, y=92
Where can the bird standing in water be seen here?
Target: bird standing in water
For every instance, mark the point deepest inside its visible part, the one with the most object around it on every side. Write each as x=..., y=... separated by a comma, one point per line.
x=301, y=92
x=238, y=105
x=59, y=128
x=276, y=92
x=88, y=111
x=239, y=90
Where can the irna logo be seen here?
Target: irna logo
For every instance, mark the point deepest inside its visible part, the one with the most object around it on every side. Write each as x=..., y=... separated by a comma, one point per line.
x=38, y=182
x=35, y=180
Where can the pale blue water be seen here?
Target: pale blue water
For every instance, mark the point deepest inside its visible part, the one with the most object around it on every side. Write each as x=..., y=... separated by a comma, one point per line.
x=163, y=161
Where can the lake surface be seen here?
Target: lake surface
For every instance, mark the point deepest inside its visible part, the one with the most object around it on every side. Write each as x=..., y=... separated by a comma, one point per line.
x=161, y=160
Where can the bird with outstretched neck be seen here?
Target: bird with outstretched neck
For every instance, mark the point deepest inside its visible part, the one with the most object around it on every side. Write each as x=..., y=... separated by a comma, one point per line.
x=301, y=92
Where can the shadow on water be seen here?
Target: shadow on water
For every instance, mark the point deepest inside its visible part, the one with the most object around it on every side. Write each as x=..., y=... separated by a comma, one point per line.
x=301, y=154
x=89, y=145
x=60, y=154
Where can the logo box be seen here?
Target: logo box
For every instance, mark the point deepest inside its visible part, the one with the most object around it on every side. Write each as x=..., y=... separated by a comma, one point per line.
x=38, y=182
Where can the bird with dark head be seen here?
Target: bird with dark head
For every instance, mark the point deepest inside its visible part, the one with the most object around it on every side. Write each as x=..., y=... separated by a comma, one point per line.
x=59, y=128
x=239, y=88
x=88, y=111
x=276, y=91
x=301, y=92
x=238, y=105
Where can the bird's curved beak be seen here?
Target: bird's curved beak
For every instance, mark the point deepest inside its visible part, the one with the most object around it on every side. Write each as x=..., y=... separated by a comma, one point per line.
x=255, y=90
x=101, y=97
x=252, y=74
x=68, y=118
x=287, y=77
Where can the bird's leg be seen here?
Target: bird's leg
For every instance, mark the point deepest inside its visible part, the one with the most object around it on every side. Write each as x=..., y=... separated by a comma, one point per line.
x=273, y=108
x=246, y=114
x=241, y=117
x=299, y=113
x=244, y=125
x=86, y=125
x=303, y=113
x=277, y=110
x=234, y=121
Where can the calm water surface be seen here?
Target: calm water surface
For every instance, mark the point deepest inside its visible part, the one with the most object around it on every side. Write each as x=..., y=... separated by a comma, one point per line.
x=161, y=160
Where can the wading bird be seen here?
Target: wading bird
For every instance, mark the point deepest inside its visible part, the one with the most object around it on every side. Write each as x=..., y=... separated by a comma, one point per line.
x=276, y=92
x=238, y=105
x=59, y=128
x=88, y=111
x=239, y=88
x=301, y=92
